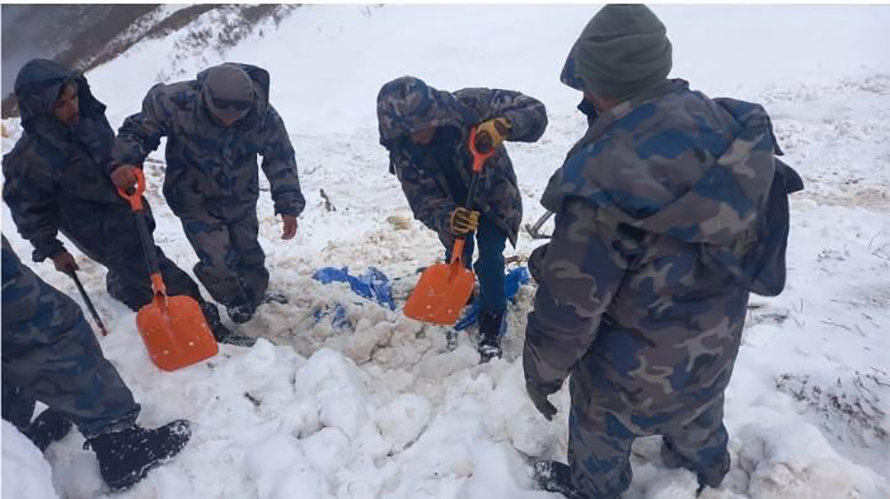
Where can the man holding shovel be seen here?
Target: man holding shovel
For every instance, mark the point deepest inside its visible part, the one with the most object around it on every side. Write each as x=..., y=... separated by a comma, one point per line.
x=427, y=134
x=57, y=181
x=215, y=126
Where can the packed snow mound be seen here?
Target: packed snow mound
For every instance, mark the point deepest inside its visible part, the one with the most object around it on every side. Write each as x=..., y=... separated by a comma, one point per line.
x=25, y=471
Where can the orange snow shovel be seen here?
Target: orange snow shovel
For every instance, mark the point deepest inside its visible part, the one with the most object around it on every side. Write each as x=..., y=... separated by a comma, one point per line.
x=443, y=288
x=173, y=328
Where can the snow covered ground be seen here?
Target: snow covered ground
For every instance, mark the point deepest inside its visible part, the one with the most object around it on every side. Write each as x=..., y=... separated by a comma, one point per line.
x=384, y=409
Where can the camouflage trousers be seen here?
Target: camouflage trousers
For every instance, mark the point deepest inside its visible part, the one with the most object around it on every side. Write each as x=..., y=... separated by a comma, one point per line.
x=600, y=445
x=50, y=354
x=231, y=262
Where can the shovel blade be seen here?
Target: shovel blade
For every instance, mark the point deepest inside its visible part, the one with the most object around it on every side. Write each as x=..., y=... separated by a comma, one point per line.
x=176, y=334
x=440, y=294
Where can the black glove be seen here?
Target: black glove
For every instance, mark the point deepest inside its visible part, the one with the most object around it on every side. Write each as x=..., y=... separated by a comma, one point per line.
x=543, y=405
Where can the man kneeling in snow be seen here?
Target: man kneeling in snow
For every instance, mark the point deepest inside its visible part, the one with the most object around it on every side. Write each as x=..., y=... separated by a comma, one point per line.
x=669, y=211
x=50, y=354
x=427, y=134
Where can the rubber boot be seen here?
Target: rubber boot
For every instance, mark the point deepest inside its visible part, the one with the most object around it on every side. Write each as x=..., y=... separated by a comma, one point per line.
x=126, y=456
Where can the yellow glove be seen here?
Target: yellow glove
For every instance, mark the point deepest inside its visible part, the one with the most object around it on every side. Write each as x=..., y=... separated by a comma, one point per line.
x=464, y=221
x=491, y=134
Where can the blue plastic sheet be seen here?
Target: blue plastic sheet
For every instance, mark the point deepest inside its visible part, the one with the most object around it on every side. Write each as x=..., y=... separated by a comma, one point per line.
x=512, y=281
x=337, y=315
x=373, y=285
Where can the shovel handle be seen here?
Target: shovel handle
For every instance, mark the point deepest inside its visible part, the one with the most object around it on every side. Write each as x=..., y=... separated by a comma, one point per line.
x=478, y=160
x=135, y=198
x=478, y=157
x=148, y=245
x=89, y=303
x=457, y=254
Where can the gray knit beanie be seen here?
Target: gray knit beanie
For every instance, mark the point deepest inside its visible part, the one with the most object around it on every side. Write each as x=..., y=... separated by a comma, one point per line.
x=622, y=51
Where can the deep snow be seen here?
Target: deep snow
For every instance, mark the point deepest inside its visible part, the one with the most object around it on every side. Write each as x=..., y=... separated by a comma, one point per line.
x=384, y=409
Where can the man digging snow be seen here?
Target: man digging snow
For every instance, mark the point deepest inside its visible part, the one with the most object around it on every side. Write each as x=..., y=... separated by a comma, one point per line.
x=427, y=134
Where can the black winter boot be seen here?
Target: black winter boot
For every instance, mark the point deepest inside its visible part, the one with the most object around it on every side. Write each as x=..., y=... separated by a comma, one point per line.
x=126, y=456
x=240, y=313
x=221, y=333
x=50, y=426
x=489, y=345
x=554, y=476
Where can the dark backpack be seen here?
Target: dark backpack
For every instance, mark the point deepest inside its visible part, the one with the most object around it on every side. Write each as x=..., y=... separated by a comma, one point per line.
x=765, y=265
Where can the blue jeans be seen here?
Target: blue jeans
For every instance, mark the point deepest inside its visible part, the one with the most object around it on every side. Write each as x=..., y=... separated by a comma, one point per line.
x=489, y=266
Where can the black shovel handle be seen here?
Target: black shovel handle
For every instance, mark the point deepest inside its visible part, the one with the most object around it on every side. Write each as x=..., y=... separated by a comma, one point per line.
x=89, y=303
x=134, y=197
x=457, y=253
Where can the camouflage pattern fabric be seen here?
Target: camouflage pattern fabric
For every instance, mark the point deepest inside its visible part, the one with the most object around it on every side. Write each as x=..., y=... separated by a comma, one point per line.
x=210, y=166
x=51, y=354
x=231, y=262
x=600, y=445
x=56, y=177
x=642, y=292
x=56, y=180
x=408, y=105
x=212, y=181
x=18, y=405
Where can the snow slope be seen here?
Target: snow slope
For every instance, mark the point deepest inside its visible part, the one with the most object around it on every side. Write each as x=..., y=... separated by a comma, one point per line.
x=383, y=409
x=25, y=471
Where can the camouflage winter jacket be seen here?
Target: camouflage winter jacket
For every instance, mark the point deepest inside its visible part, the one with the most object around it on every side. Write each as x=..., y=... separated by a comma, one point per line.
x=407, y=105
x=643, y=290
x=210, y=166
x=56, y=177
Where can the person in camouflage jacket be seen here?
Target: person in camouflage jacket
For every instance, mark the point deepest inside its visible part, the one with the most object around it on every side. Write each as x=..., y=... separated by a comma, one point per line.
x=50, y=354
x=56, y=180
x=426, y=132
x=669, y=211
x=215, y=126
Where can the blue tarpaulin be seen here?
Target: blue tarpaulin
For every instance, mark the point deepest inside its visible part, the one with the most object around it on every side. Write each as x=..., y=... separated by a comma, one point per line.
x=373, y=285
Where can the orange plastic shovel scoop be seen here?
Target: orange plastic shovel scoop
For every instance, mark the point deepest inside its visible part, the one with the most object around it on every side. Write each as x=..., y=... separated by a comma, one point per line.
x=173, y=328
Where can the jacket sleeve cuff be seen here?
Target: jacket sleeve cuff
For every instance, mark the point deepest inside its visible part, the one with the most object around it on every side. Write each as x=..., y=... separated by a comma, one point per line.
x=292, y=205
x=49, y=248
